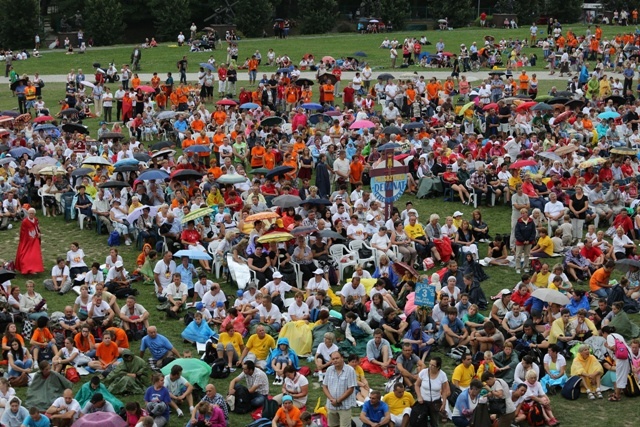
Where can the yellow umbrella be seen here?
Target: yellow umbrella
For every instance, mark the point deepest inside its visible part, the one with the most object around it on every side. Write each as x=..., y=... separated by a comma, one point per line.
x=262, y=216
x=594, y=161
x=465, y=107
x=278, y=236
x=52, y=170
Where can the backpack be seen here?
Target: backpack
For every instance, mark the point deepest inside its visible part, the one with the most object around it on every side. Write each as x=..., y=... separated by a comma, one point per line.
x=535, y=416
x=622, y=352
x=210, y=353
x=455, y=392
x=571, y=389
x=114, y=239
x=220, y=370
x=261, y=422
x=269, y=409
x=389, y=385
x=243, y=400
x=632, y=389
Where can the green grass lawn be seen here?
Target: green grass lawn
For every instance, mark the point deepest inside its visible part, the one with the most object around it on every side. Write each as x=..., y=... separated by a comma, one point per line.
x=57, y=234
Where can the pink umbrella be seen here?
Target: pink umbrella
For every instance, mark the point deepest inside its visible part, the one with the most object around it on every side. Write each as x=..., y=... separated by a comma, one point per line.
x=226, y=102
x=328, y=59
x=361, y=124
x=100, y=419
x=146, y=88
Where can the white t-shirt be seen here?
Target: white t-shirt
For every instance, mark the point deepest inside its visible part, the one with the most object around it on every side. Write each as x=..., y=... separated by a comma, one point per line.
x=177, y=292
x=314, y=286
x=73, y=406
x=92, y=279
x=114, y=274
x=356, y=232
x=325, y=351
x=76, y=259
x=59, y=273
x=298, y=310
x=98, y=310
x=210, y=301
x=452, y=294
x=515, y=322
x=281, y=287
x=294, y=386
x=165, y=273
x=430, y=390
x=359, y=292
x=175, y=387
x=274, y=313
x=560, y=362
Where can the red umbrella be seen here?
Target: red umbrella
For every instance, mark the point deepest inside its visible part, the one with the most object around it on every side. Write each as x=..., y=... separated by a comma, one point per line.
x=562, y=117
x=230, y=102
x=146, y=88
x=449, y=54
x=526, y=105
x=492, y=106
x=42, y=119
x=401, y=269
x=522, y=163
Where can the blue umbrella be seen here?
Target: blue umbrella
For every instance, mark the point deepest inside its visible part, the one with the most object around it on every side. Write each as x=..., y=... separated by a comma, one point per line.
x=192, y=254
x=124, y=162
x=45, y=126
x=197, y=149
x=284, y=70
x=389, y=146
x=207, y=66
x=360, y=53
x=249, y=105
x=151, y=174
x=315, y=118
x=608, y=115
x=20, y=151
x=312, y=106
x=278, y=171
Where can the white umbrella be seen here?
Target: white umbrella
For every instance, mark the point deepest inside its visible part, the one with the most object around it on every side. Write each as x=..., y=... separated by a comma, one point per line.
x=44, y=160
x=87, y=84
x=97, y=160
x=137, y=212
x=551, y=296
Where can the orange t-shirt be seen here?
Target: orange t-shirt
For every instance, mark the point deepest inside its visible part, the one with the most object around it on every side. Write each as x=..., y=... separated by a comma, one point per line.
x=256, y=97
x=411, y=94
x=292, y=95
x=107, y=353
x=257, y=156
x=122, y=341
x=135, y=82
x=432, y=90
x=355, y=172
x=155, y=82
x=42, y=336
x=197, y=125
x=327, y=90
x=253, y=64
x=219, y=117
x=161, y=100
x=269, y=159
x=218, y=140
x=306, y=96
x=598, y=276
x=291, y=175
x=217, y=172
x=84, y=345
x=186, y=143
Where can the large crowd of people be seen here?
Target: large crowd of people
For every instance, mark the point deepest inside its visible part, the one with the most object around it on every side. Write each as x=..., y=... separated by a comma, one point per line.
x=273, y=197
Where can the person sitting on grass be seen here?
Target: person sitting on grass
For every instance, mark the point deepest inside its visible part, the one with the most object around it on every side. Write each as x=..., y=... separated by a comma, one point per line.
x=282, y=357
x=379, y=356
x=179, y=389
x=408, y=365
x=42, y=340
x=287, y=415
x=205, y=414
x=362, y=389
x=375, y=412
x=176, y=293
x=454, y=332
x=158, y=400
x=107, y=353
x=323, y=353
x=392, y=325
x=230, y=344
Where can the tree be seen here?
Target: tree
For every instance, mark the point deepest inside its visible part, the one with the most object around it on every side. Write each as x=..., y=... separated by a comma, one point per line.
x=170, y=17
x=565, y=11
x=394, y=11
x=18, y=23
x=252, y=16
x=458, y=12
x=318, y=16
x=103, y=20
x=526, y=11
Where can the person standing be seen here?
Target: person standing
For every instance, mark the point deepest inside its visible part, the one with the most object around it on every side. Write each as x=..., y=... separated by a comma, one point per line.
x=618, y=349
x=107, y=104
x=182, y=67
x=338, y=386
x=8, y=60
x=29, y=253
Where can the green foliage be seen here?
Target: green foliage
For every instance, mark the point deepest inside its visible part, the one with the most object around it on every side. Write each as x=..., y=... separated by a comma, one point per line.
x=252, y=16
x=345, y=27
x=170, y=17
x=394, y=11
x=103, y=19
x=18, y=23
x=458, y=12
x=526, y=11
x=565, y=11
x=319, y=16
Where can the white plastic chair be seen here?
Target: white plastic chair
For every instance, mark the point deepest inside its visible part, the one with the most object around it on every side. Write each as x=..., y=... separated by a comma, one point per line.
x=342, y=257
x=41, y=194
x=217, y=261
x=356, y=245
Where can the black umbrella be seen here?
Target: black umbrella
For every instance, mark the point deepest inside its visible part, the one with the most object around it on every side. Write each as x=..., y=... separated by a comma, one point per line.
x=565, y=93
x=558, y=100
x=385, y=76
x=272, y=121
x=6, y=275
x=624, y=264
x=278, y=171
x=496, y=73
x=142, y=157
x=575, y=103
x=315, y=118
x=414, y=125
x=10, y=113
x=330, y=234
x=160, y=145
x=82, y=171
x=126, y=168
x=303, y=230
x=304, y=82
x=259, y=170
x=392, y=130
x=617, y=99
x=69, y=112
x=542, y=107
x=96, y=65
x=389, y=146
x=111, y=135
x=73, y=127
x=114, y=184
x=186, y=173
x=317, y=202
x=326, y=76
x=17, y=83
x=287, y=201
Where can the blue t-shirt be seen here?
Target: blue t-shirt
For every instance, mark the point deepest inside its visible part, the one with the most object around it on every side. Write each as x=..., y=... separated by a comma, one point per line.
x=162, y=395
x=375, y=414
x=456, y=325
x=185, y=274
x=42, y=422
x=158, y=346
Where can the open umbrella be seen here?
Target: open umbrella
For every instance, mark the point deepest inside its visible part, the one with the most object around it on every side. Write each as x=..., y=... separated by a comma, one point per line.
x=162, y=144
x=126, y=162
x=272, y=121
x=249, y=106
x=566, y=149
x=6, y=275
x=46, y=126
x=401, y=269
x=315, y=118
x=522, y=164
x=185, y=174
x=262, y=216
x=312, y=106
x=360, y=54
x=617, y=99
x=97, y=160
x=228, y=178
x=207, y=66
x=82, y=171
x=17, y=83
x=609, y=115
x=542, y=107
x=386, y=76
x=278, y=171
x=20, y=151
x=550, y=155
x=162, y=153
x=229, y=102
x=362, y=124
x=86, y=83
x=275, y=237
x=328, y=59
x=51, y=170
x=43, y=119
x=197, y=149
x=259, y=170
x=197, y=214
x=37, y=167
x=490, y=106
x=303, y=230
x=304, y=82
x=393, y=130
x=11, y=113
x=330, y=234
x=526, y=105
x=192, y=254
x=413, y=125
x=142, y=157
x=551, y=296
x=575, y=103
x=327, y=76
x=623, y=265
x=74, y=127
x=110, y=135
x=69, y=112
x=543, y=98
x=100, y=419
x=317, y=202
x=594, y=161
x=624, y=151
x=166, y=115
x=496, y=73
x=126, y=168
x=286, y=201
x=563, y=116
x=114, y=184
x=558, y=100
x=137, y=212
x=146, y=89
x=465, y=107
x=153, y=174
x=389, y=146
x=6, y=160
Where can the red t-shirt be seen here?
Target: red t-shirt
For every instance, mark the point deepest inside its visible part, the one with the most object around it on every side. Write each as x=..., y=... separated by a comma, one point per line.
x=191, y=236
x=592, y=253
x=349, y=95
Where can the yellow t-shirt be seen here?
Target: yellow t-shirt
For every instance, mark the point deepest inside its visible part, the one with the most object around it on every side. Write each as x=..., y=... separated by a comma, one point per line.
x=398, y=405
x=414, y=231
x=235, y=341
x=514, y=180
x=359, y=373
x=546, y=245
x=261, y=347
x=542, y=280
x=463, y=375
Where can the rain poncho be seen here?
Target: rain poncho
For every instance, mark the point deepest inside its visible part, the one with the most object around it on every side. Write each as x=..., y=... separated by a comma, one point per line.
x=197, y=333
x=118, y=382
x=588, y=366
x=195, y=371
x=43, y=391
x=275, y=353
x=624, y=326
x=86, y=392
x=298, y=333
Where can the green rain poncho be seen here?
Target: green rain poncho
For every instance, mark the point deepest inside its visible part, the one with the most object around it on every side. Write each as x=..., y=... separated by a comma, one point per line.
x=119, y=381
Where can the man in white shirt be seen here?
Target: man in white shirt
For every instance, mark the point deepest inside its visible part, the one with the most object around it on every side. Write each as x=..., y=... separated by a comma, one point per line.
x=341, y=214
x=269, y=313
x=100, y=313
x=354, y=289
x=554, y=210
x=64, y=410
x=390, y=113
x=341, y=167
x=177, y=294
x=277, y=288
x=162, y=274
x=60, y=281
x=299, y=310
x=355, y=230
x=211, y=299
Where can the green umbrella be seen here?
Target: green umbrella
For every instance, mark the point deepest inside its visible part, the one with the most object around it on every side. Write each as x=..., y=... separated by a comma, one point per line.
x=198, y=213
x=231, y=179
x=259, y=170
x=195, y=371
x=543, y=98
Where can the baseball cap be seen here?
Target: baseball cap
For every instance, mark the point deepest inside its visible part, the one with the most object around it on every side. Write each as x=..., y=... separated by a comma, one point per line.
x=369, y=217
x=318, y=271
x=277, y=275
x=119, y=264
x=199, y=306
x=239, y=293
x=457, y=213
x=219, y=304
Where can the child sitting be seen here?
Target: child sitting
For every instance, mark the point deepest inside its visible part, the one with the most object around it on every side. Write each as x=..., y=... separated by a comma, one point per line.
x=282, y=357
x=487, y=365
x=42, y=340
x=218, y=315
x=567, y=230
x=362, y=389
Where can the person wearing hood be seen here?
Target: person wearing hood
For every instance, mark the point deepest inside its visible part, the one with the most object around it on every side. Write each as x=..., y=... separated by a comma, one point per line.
x=281, y=357
x=198, y=330
x=93, y=387
x=15, y=414
x=129, y=377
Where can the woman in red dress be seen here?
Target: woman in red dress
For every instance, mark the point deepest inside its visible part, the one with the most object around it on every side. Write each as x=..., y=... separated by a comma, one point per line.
x=29, y=254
